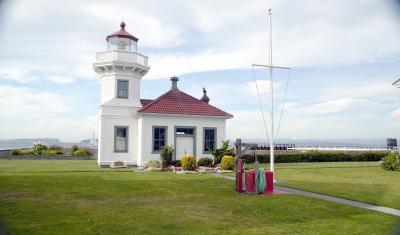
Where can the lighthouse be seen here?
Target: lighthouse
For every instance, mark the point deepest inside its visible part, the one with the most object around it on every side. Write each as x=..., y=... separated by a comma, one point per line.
x=133, y=131
x=121, y=68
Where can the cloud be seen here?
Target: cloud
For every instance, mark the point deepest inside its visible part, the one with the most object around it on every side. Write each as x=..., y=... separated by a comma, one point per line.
x=61, y=79
x=151, y=30
x=185, y=37
x=334, y=106
x=263, y=86
x=351, y=90
x=28, y=103
x=29, y=113
x=395, y=113
x=339, y=37
x=40, y=43
x=17, y=74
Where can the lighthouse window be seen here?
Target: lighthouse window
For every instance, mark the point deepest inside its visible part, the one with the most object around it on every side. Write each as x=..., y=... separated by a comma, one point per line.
x=122, y=89
x=120, y=139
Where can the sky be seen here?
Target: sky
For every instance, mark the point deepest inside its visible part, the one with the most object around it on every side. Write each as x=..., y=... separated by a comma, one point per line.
x=344, y=56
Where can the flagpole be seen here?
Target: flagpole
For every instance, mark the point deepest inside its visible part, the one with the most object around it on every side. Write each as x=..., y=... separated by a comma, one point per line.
x=271, y=87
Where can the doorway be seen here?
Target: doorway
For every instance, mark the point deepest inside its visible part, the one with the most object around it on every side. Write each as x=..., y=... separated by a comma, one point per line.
x=185, y=143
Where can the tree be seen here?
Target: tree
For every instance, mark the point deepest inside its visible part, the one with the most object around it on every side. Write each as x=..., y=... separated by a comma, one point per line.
x=224, y=150
x=39, y=148
x=166, y=155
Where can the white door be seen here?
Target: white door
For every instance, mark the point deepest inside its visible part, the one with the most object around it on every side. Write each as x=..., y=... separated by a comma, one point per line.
x=184, y=146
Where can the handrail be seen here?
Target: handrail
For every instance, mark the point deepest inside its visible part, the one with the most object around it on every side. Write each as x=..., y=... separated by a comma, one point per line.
x=127, y=56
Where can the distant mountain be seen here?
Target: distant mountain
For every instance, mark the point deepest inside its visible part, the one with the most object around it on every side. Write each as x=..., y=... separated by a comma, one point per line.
x=26, y=143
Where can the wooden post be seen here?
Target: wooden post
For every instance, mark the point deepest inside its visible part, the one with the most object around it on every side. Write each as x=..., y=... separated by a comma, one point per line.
x=237, y=159
x=238, y=149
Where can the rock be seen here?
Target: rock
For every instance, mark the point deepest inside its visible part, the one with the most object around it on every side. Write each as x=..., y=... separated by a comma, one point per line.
x=224, y=171
x=153, y=169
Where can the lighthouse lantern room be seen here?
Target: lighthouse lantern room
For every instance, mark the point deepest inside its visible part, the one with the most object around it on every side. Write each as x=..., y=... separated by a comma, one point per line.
x=122, y=40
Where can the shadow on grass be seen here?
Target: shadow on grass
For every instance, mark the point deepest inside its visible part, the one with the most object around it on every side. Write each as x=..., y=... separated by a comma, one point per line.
x=396, y=229
x=3, y=227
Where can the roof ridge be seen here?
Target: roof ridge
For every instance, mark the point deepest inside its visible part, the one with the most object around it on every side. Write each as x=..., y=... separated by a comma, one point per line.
x=204, y=102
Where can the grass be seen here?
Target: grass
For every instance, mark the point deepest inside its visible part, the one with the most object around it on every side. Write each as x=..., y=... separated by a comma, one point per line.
x=76, y=197
x=360, y=181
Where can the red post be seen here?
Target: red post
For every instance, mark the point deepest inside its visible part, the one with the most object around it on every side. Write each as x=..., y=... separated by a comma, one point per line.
x=239, y=176
x=250, y=178
x=239, y=166
x=269, y=178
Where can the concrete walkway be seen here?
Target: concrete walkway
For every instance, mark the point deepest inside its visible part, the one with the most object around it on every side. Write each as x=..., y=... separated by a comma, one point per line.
x=383, y=209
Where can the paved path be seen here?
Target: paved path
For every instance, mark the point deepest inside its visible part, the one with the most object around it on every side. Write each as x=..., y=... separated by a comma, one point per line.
x=383, y=209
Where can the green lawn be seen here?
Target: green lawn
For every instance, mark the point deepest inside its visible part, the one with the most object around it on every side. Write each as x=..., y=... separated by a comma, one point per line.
x=76, y=197
x=360, y=181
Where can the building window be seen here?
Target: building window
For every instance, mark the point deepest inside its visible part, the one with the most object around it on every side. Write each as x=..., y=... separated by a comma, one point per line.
x=209, y=139
x=122, y=89
x=121, y=139
x=159, y=138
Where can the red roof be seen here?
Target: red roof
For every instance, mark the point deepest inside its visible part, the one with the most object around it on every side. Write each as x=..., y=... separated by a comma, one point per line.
x=122, y=34
x=178, y=102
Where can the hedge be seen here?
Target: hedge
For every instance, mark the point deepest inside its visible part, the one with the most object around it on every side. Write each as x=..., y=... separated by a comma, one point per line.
x=318, y=156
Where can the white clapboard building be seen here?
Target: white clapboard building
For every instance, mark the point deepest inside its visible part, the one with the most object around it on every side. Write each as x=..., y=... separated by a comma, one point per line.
x=133, y=130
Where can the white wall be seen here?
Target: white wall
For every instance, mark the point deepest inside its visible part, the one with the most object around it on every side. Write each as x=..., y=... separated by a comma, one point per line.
x=109, y=89
x=147, y=121
x=110, y=117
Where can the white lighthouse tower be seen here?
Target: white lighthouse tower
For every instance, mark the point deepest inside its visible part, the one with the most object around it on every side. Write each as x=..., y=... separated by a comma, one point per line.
x=121, y=68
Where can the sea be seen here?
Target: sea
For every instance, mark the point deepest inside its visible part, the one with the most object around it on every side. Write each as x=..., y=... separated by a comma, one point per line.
x=28, y=143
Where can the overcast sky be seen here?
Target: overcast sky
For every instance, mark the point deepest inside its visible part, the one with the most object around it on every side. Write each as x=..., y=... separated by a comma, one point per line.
x=345, y=56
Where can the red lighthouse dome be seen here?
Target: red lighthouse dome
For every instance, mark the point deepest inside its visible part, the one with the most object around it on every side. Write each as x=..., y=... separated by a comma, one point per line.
x=122, y=39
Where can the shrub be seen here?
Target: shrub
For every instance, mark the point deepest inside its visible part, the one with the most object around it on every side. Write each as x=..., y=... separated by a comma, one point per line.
x=189, y=163
x=227, y=163
x=39, y=148
x=81, y=152
x=224, y=150
x=57, y=149
x=391, y=162
x=26, y=152
x=166, y=155
x=204, y=161
x=176, y=163
x=73, y=149
x=50, y=152
x=16, y=152
x=154, y=164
